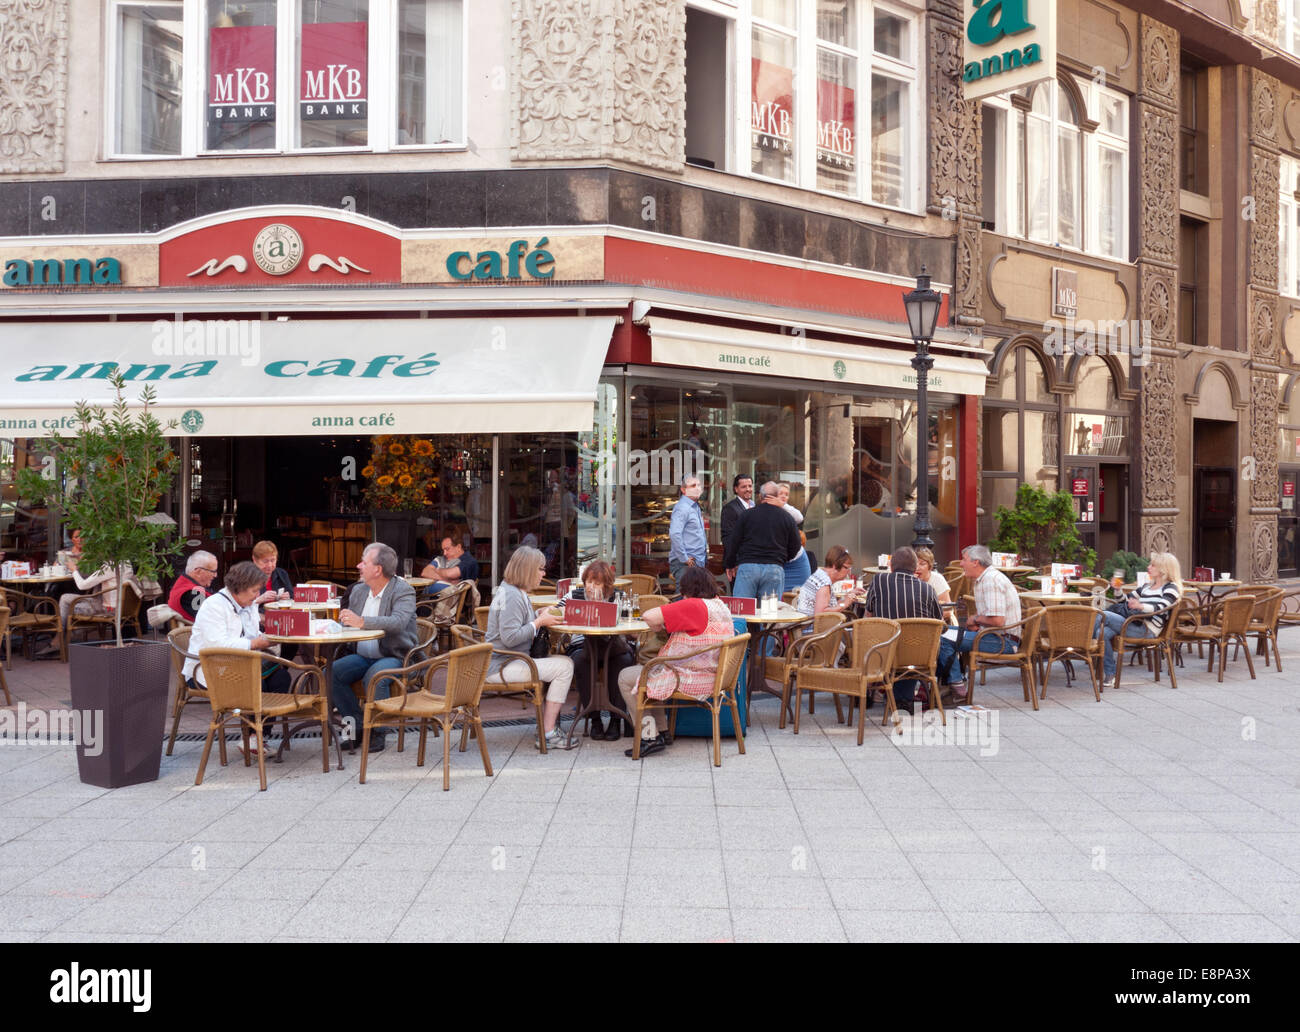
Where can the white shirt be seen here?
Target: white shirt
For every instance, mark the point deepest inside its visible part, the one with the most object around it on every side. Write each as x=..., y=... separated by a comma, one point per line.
x=370, y=649
x=221, y=623
x=798, y=519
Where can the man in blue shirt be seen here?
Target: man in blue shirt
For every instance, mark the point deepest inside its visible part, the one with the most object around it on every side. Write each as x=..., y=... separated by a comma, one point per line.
x=457, y=565
x=689, y=543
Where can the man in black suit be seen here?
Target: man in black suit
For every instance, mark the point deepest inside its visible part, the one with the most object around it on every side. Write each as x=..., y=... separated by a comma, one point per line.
x=743, y=485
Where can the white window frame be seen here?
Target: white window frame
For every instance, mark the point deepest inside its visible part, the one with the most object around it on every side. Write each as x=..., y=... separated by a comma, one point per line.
x=1007, y=215
x=1288, y=26
x=910, y=70
x=382, y=98
x=1288, y=216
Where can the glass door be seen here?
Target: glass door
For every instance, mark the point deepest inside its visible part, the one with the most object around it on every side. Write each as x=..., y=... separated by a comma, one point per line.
x=1288, y=525
x=1082, y=481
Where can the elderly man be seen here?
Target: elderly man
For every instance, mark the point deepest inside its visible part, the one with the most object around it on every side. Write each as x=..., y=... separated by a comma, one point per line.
x=382, y=601
x=455, y=566
x=766, y=538
x=996, y=605
x=689, y=545
x=901, y=595
x=194, y=585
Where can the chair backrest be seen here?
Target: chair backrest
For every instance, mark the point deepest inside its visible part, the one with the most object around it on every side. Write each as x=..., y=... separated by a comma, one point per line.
x=642, y=583
x=233, y=677
x=463, y=635
x=4, y=620
x=130, y=603
x=789, y=597
x=1268, y=601
x=968, y=604
x=918, y=642
x=481, y=617
x=466, y=671
x=1070, y=627
x=731, y=653
x=1172, y=616
x=1235, y=614
x=649, y=602
x=179, y=639
x=825, y=621
x=868, y=637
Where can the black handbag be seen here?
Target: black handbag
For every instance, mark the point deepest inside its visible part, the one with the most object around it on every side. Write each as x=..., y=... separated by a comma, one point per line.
x=541, y=646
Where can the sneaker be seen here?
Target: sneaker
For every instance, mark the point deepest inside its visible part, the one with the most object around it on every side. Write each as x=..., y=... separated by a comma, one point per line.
x=958, y=689
x=1108, y=683
x=557, y=739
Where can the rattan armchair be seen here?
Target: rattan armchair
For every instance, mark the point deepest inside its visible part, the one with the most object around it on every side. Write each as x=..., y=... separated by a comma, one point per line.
x=532, y=690
x=104, y=622
x=234, y=684
x=873, y=647
x=411, y=704
x=917, y=655
x=29, y=615
x=1031, y=636
x=731, y=654
x=179, y=639
x=641, y=583
x=1070, y=632
x=1264, y=620
x=821, y=647
x=1161, y=646
x=481, y=618
x=1218, y=624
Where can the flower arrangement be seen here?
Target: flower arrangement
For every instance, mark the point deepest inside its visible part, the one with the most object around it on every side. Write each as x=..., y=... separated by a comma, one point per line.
x=401, y=472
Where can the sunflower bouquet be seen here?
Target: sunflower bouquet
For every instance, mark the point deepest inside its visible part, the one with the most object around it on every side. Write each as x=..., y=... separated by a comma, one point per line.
x=401, y=472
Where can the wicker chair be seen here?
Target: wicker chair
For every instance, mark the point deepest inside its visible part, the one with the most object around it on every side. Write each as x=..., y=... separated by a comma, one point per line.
x=873, y=657
x=650, y=642
x=731, y=654
x=179, y=639
x=1070, y=632
x=1264, y=620
x=532, y=690
x=820, y=647
x=4, y=632
x=29, y=615
x=104, y=623
x=1219, y=623
x=1031, y=637
x=1162, y=645
x=1289, y=615
x=234, y=681
x=480, y=617
x=451, y=606
x=410, y=703
x=641, y=583
x=917, y=656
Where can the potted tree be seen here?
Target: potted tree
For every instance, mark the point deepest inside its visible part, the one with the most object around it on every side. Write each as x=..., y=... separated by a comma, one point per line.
x=1041, y=528
x=106, y=482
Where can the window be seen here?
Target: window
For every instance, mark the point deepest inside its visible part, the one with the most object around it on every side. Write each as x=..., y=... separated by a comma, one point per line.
x=802, y=69
x=1288, y=265
x=1058, y=174
x=1193, y=311
x=285, y=75
x=1194, y=142
x=1288, y=25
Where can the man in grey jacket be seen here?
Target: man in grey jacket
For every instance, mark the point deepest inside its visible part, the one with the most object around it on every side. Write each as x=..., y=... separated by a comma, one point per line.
x=382, y=601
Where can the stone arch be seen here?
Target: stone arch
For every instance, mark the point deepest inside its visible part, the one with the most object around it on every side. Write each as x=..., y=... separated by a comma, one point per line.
x=1118, y=375
x=1007, y=348
x=1203, y=382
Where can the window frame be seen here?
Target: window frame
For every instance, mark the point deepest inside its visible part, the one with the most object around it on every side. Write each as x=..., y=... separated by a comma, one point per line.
x=1288, y=216
x=382, y=87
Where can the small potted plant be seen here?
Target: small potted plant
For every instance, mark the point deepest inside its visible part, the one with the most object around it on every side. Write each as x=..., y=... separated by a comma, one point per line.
x=107, y=482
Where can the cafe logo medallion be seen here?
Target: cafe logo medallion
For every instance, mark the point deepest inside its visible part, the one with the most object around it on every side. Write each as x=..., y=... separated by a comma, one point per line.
x=277, y=249
x=839, y=369
x=192, y=421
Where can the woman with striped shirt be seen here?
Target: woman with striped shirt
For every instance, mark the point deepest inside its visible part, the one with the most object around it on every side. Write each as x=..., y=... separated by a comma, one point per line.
x=1163, y=589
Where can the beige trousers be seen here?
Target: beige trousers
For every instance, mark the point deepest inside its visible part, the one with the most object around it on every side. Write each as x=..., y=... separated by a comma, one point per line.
x=653, y=719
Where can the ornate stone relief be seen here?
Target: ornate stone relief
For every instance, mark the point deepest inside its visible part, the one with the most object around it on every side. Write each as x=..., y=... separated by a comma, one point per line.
x=969, y=276
x=599, y=78
x=1265, y=98
x=1159, y=189
x=1157, y=303
x=1159, y=63
x=1264, y=172
x=1263, y=439
x=1266, y=12
x=1157, y=536
x=1159, y=410
x=33, y=84
x=1263, y=326
x=1263, y=548
x=954, y=126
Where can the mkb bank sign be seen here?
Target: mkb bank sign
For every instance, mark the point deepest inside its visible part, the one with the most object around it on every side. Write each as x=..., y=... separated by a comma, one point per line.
x=1008, y=44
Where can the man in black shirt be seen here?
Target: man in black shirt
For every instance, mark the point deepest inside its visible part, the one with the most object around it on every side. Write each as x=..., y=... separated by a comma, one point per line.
x=765, y=539
x=901, y=595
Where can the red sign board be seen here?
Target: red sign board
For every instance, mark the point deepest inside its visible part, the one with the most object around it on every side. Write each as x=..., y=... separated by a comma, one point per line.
x=1288, y=488
x=334, y=65
x=1079, y=487
x=772, y=110
x=288, y=621
x=835, y=124
x=740, y=606
x=313, y=592
x=591, y=614
x=1098, y=434
x=241, y=74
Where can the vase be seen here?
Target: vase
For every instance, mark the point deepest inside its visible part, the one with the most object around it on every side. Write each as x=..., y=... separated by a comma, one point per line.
x=121, y=694
x=397, y=530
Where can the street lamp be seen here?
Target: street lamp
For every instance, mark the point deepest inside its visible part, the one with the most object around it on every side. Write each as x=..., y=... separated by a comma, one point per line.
x=922, y=306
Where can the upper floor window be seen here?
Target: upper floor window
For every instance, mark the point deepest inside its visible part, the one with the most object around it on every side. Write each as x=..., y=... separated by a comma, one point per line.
x=1057, y=173
x=284, y=75
x=1288, y=25
x=1193, y=130
x=1288, y=264
x=788, y=109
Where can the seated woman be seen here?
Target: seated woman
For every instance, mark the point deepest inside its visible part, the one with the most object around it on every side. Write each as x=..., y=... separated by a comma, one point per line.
x=598, y=586
x=279, y=585
x=95, y=595
x=699, y=620
x=817, y=595
x=512, y=625
x=1163, y=589
x=927, y=574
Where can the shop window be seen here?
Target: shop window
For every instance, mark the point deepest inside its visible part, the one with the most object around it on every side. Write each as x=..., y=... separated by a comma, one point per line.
x=279, y=75
x=1060, y=178
x=148, y=84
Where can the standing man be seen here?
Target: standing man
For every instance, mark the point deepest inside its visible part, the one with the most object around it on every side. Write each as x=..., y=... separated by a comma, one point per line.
x=689, y=546
x=901, y=595
x=382, y=601
x=457, y=565
x=765, y=539
x=996, y=605
x=743, y=485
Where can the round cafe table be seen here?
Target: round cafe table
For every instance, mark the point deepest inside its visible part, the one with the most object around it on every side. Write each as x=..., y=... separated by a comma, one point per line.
x=328, y=644
x=763, y=626
x=38, y=579
x=596, y=643
x=419, y=583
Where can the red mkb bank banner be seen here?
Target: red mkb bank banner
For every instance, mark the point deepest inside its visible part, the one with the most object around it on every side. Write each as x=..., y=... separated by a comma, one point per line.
x=241, y=73
x=334, y=71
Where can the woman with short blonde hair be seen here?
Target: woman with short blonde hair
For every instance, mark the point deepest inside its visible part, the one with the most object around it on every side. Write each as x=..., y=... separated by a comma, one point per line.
x=1162, y=590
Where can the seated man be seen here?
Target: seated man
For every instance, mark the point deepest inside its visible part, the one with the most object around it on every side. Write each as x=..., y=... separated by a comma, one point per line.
x=194, y=585
x=901, y=595
x=996, y=605
x=382, y=601
x=699, y=620
x=455, y=566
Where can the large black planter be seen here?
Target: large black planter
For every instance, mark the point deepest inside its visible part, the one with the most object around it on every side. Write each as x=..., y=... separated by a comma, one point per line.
x=121, y=694
x=397, y=530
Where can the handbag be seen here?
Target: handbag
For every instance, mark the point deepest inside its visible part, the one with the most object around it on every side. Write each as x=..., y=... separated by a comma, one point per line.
x=541, y=646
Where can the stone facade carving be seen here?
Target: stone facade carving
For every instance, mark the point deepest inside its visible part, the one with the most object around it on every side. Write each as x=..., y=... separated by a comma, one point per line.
x=1157, y=537
x=1263, y=548
x=599, y=79
x=1159, y=63
x=1159, y=410
x=1264, y=169
x=1263, y=326
x=1157, y=294
x=1263, y=439
x=1265, y=92
x=1159, y=184
x=1266, y=20
x=33, y=84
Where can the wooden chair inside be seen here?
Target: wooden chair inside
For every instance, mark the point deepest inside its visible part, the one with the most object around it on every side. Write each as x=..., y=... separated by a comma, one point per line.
x=411, y=704
x=916, y=658
x=873, y=648
x=1031, y=638
x=1070, y=632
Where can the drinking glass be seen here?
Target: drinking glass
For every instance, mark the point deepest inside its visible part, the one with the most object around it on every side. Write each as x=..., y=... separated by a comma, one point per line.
x=406, y=568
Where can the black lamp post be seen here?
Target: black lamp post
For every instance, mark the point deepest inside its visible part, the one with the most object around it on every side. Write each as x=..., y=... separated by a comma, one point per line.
x=922, y=305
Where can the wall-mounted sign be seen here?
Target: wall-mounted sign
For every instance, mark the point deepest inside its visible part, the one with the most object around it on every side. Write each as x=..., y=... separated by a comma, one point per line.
x=1079, y=487
x=241, y=73
x=521, y=260
x=1008, y=44
x=1098, y=434
x=1065, y=293
x=334, y=66
x=1288, y=488
x=66, y=272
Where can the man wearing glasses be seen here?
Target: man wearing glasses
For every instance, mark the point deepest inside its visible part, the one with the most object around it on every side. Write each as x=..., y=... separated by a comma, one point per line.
x=194, y=585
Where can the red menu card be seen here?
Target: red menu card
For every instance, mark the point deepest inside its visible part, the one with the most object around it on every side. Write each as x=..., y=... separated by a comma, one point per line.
x=740, y=606
x=591, y=614
x=288, y=621
x=313, y=592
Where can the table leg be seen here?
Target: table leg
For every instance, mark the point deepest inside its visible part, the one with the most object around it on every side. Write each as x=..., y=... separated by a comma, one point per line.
x=597, y=649
x=334, y=725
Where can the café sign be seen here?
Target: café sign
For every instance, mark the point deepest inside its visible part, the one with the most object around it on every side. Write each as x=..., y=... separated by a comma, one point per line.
x=1008, y=44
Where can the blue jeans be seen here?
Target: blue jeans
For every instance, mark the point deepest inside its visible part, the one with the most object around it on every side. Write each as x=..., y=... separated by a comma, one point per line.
x=994, y=643
x=754, y=580
x=1111, y=623
x=351, y=668
x=795, y=572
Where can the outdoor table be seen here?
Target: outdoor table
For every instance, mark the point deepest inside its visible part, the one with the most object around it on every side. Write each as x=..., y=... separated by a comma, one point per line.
x=419, y=583
x=764, y=626
x=348, y=636
x=597, y=642
x=1205, y=589
x=38, y=579
x=542, y=601
x=1051, y=598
